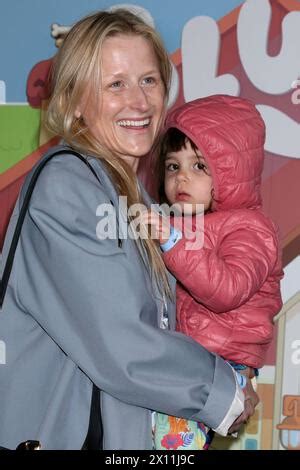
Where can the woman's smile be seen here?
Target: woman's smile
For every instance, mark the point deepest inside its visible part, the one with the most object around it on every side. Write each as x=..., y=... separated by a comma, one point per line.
x=134, y=123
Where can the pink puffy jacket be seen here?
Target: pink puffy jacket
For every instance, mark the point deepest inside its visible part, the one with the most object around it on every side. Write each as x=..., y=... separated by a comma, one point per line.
x=229, y=291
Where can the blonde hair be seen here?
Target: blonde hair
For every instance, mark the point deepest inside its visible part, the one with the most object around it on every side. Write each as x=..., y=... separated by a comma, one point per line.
x=76, y=66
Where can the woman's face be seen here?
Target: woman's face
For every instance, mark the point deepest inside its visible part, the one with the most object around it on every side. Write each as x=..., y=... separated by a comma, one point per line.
x=126, y=115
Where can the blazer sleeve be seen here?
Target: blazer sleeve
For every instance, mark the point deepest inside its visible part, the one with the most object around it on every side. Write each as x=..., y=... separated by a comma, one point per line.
x=224, y=276
x=94, y=303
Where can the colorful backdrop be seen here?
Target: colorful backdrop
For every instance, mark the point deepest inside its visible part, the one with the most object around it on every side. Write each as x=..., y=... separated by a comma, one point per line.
x=248, y=49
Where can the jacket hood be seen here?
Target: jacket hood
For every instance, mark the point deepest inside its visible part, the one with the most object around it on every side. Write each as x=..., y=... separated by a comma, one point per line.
x=230, y=134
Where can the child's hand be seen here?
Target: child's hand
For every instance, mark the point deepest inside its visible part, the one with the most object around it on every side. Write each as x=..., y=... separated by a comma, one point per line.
x=159, y=225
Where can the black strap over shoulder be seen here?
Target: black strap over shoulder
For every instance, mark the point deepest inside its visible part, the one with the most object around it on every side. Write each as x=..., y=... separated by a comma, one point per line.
x=27, y=197
x=94, y=438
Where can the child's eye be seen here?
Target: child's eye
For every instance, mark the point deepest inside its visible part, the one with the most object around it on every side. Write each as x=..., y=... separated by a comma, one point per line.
x=172, y=167
x=200, y=166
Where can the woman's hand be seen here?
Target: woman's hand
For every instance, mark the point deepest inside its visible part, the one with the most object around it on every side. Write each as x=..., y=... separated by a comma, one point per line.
x=251, y=400
x=159, y=225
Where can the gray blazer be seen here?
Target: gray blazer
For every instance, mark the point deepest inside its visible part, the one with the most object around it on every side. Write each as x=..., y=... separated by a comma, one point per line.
x=80, y=310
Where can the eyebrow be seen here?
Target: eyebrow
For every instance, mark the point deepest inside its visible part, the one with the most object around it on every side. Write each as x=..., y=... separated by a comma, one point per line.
x=122, y=74
x=151, y=72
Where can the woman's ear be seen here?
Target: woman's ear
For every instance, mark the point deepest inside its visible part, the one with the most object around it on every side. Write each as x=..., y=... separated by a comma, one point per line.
x=77, y=114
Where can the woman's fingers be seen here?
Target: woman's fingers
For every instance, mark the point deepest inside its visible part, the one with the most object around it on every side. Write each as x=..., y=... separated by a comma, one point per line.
x=251, y=401
x=248, y=372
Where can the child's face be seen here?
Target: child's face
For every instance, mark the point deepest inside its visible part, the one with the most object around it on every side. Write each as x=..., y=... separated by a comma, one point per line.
x=187, y=180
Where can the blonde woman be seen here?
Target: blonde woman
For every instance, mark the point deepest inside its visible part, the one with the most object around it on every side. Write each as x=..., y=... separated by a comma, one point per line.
x=88, y=292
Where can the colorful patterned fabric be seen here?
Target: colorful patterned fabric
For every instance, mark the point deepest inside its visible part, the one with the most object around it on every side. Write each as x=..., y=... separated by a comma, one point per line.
x=172, y=433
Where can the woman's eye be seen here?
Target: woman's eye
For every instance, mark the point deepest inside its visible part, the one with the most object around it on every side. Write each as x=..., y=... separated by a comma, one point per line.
x=116, y=85
x=149, y=81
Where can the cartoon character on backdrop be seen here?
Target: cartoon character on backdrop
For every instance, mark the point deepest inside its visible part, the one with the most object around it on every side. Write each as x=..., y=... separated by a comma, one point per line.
x=38, y=81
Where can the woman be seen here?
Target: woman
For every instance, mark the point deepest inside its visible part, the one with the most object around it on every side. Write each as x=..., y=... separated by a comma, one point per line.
x=82, y=308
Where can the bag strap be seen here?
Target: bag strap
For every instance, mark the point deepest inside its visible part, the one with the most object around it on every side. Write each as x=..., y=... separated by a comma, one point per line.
x=94, y=437
x=27, y=197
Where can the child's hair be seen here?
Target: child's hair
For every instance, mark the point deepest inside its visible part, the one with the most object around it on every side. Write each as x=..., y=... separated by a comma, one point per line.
x=173, y=141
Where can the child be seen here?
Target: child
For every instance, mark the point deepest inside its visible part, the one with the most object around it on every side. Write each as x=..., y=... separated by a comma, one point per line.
x=228, y=290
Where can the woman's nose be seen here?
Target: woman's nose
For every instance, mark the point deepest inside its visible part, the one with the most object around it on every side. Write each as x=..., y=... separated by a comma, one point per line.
x=138, y=98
